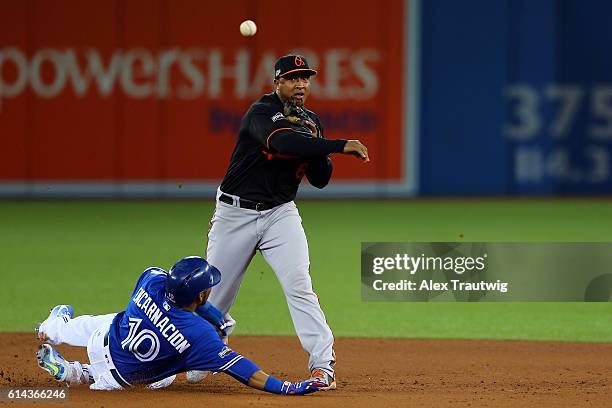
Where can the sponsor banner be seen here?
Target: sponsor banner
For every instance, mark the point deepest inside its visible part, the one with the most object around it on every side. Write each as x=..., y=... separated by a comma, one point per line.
x=486, y=272
x=146, y=91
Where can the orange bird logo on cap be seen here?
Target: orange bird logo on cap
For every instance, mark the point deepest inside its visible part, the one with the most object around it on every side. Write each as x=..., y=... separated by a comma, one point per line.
x=298, y=61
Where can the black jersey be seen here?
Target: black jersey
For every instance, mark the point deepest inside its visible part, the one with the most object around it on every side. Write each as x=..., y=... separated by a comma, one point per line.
x=271, y=156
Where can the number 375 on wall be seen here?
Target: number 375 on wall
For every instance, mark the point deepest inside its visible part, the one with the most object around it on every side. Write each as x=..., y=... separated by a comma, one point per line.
x=552, y=110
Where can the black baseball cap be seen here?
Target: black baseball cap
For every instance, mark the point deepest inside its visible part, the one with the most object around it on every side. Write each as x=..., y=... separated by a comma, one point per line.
x=289, y=64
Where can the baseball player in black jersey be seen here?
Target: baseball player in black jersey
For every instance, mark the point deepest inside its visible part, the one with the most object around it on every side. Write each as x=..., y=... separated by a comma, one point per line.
x=279, y=142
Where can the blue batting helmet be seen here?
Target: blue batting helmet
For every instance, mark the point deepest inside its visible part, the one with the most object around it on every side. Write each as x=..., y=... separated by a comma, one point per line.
x=188, y=277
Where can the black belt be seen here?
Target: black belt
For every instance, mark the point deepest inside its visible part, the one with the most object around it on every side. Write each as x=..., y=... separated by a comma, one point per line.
x=113, y=371
x=244, y=203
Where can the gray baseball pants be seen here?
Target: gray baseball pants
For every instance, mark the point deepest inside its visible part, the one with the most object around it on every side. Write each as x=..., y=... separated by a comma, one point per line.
x=236, y=233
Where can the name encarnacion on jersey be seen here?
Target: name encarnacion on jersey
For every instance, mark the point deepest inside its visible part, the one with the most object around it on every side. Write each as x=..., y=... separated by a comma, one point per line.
x=156, y=316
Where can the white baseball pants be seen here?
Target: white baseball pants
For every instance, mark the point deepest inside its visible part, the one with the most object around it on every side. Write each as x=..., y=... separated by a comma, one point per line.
x=236, y=233
x=89, y=331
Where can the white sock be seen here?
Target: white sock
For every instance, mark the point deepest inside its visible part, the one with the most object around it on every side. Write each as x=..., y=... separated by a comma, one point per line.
x=79, y=374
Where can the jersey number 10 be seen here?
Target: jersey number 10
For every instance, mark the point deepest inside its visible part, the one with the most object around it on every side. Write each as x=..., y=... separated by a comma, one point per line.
x=136, y=342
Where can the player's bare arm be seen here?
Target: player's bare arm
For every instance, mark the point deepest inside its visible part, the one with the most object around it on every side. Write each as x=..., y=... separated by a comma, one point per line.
x=356, y=148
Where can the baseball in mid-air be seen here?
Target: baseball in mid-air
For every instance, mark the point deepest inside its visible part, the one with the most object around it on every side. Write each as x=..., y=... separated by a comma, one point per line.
x=248, y=28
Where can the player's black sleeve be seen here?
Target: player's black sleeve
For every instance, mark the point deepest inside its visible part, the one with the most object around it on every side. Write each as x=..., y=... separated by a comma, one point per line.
x=276, y=132
x=319, y=171
x=294, y=143
x=264, y=121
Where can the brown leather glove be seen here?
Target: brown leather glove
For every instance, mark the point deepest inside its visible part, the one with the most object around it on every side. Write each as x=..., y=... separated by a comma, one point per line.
x=298, y=117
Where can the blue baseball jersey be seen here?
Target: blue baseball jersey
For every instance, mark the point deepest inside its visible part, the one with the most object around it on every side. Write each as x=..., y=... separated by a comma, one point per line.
x=152, y=339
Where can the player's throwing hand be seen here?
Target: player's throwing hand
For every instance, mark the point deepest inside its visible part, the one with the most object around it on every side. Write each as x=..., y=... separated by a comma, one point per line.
x=356, y=148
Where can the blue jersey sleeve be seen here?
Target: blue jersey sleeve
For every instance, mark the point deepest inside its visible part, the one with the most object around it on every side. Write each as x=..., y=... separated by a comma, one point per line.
x=241, y=368
x=148, y=273
x=209, y=353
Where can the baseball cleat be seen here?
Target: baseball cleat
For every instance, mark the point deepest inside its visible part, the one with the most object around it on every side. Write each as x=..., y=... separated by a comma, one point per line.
x=62, y=310
x=59, y=311
x=52, y=362
x=322, y=376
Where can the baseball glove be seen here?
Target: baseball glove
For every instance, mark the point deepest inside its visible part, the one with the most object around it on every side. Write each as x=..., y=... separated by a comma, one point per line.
x=300, y=119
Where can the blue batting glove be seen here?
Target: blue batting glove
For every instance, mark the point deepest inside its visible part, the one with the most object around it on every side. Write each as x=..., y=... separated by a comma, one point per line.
x=301, y=388
x=213, y=316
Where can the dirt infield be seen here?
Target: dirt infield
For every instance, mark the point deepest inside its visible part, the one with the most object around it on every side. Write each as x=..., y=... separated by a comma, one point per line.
x=371, y=372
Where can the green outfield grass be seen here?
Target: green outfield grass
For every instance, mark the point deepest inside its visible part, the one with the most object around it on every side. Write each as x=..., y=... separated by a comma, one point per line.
x=90, y=253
